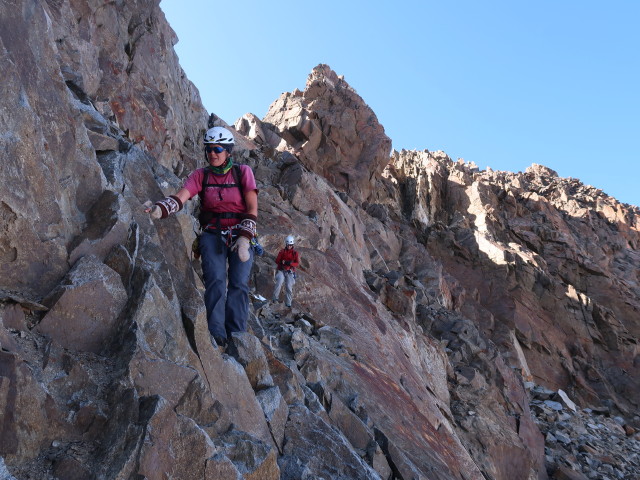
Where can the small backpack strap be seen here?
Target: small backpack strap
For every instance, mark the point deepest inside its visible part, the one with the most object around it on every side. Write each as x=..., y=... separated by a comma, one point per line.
x=205, y=217
x=237, y=176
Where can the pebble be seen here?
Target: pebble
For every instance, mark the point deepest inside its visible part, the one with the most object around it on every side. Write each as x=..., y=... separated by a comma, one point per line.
x=557, y=406
x=589, y=441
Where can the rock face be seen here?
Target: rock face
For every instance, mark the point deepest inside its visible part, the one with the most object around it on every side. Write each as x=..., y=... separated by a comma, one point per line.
x=563, y=251
x=448, y=323
x=331, y=130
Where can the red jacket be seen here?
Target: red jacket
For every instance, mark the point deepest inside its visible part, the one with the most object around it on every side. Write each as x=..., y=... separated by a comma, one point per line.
x=288, y=259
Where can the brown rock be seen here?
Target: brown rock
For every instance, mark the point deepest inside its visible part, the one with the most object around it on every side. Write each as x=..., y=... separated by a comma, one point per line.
x=10, y=296
x=254, y=459
x=219, y=466
x=379, y=462
x=173, y=445
x=30, y=417
x=229, y=385
x=285, y=379
x=353, y=427
x=500, y=269
x=565, y=473
x=33, y=249
x=119, y=260
x=102, y=142
x=12, y=316
x=85, y=309
x=248, y=351
x=538, y=253
x=333, y=131
x=152, y=377
x=588, y=449
x=470, y=376
x=7, y=341
x=198, y=403
x=71, y=469
x=400, y=300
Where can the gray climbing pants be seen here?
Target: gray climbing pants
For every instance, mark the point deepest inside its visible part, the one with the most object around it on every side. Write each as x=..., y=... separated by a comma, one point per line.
x=289, y=279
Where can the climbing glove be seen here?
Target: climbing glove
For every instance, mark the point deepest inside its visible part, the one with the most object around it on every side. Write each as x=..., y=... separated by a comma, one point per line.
x=242, y=245
x=154, y=211
x=163, y=208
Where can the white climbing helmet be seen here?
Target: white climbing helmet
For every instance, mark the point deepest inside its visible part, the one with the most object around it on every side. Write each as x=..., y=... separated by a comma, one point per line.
x=219, y=135
x=289, y=240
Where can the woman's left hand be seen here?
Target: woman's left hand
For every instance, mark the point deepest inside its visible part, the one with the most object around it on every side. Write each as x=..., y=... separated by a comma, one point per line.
x=242, y=245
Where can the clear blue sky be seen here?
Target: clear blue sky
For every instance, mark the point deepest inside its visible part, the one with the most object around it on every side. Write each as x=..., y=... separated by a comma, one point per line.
x=501, y=83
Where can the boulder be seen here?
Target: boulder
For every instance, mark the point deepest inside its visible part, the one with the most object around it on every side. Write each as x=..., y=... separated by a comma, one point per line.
x=31, y=419
x=248, y=351
x=253, y=459
x=315, y=449
x=276, y=412
x=12, y=316
x=84, y=309
x=173, y=444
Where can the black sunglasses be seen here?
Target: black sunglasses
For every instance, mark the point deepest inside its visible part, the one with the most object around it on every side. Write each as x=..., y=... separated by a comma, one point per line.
x=214, y=149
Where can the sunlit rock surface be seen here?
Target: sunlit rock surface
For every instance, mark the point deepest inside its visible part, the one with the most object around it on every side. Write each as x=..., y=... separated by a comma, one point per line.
x=434, y=305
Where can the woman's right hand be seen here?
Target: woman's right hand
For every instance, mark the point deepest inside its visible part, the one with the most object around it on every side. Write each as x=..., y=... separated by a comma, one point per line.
x=154, y=211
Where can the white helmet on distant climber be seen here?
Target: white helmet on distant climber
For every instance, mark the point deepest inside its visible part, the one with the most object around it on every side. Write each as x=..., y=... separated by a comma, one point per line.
x=289, y=240
x=219, y=135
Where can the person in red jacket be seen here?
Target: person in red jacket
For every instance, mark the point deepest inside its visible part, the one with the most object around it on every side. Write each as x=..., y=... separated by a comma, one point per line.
x=286, y=262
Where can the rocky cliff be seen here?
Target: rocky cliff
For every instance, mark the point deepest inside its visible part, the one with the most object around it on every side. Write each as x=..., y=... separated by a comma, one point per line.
x=449, y=323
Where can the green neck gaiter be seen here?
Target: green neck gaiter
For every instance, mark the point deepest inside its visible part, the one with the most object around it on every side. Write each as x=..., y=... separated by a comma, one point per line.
x=222, y=169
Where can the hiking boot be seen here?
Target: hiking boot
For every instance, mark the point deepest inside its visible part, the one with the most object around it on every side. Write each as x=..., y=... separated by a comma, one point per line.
x=219, y=342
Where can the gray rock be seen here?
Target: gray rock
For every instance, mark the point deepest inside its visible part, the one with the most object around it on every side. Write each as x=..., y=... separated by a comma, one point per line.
x=253, y=459
x=350, y=424
x=248, y=350
x=108, y=225
x=85, y=308
x=303, y=325
x=300, y=345
x=4, y=473
x=554, y=405
x=313, y=448
x=275, y=411
x=561, y=437
x=335, y=341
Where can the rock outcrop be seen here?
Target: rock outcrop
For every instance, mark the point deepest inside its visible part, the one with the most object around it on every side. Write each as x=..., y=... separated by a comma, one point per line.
x=448, y=323
x=331, y=131
x=544, y=266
